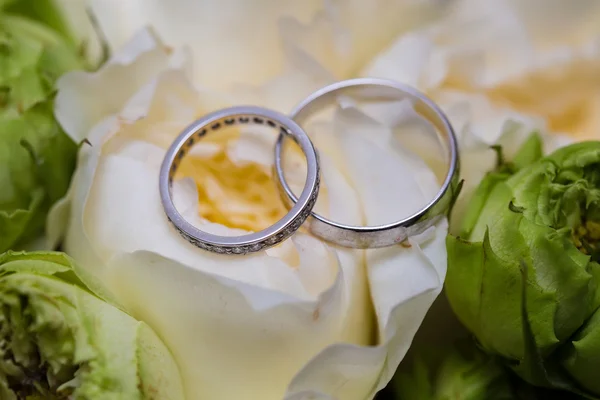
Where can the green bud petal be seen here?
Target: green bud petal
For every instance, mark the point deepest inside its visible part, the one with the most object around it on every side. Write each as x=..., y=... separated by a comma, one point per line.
x=36, y=156
x=582, y=355
x=58, y=340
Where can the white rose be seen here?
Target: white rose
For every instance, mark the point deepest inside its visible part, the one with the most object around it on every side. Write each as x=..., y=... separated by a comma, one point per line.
x=303, y=320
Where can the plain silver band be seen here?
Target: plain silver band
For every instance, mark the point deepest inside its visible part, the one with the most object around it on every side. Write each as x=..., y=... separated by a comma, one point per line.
x=363, y=237
x=257, y=241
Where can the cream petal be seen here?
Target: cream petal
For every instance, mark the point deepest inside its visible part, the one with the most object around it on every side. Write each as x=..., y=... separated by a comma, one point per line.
x=405, y=281
x=345, y=35
x=522, y=40
x=392, y=183
x=83, y=99
x=170, y=98
x=582, y=18
x=58, y=221
x=302, y=75
x=76, y=243
x=214, y=324
x=408, y=60
x=478, y=122
x=227, y=43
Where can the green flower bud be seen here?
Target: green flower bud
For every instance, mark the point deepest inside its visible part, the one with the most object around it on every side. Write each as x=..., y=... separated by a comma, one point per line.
x=523, y=276
x=59, y=341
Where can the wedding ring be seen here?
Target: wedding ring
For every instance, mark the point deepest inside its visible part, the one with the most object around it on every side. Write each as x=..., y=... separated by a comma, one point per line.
x=363, y=237
x=282, y=229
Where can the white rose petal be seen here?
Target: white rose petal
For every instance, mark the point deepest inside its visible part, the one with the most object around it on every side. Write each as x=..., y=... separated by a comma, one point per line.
x=231, y=40
x=139, y=62
x=288, y=322
x=345, y=34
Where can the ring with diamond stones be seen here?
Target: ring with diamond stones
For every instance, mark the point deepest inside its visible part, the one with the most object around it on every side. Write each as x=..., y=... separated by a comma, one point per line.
x=253, y=242
x=363, y=237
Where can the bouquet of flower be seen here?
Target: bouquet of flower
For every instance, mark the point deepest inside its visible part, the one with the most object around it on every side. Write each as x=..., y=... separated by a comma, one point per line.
x=149, y=249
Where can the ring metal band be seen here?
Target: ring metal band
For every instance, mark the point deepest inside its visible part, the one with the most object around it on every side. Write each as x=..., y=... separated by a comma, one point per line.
x=363, y=237
x=282, y=229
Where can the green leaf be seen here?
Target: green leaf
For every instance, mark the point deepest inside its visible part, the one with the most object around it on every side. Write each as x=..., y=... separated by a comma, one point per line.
x=580, y=355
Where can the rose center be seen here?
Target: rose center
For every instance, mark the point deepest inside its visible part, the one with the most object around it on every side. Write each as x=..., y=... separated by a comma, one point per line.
x=237, y=196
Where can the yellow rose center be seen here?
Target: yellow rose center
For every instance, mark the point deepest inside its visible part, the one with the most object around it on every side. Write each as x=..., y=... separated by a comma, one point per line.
x=243, y=197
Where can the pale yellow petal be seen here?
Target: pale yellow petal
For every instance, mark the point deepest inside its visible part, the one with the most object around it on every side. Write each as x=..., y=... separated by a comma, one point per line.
x=228, y=44
x=347, y=34
x=83, y=99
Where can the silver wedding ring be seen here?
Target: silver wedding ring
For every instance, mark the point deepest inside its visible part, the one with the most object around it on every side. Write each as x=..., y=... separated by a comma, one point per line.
x=363, y=237
x=252, y=242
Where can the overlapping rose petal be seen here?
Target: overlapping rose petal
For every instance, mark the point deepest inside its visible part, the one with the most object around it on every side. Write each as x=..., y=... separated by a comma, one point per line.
x=232, y=41
x=274, y=322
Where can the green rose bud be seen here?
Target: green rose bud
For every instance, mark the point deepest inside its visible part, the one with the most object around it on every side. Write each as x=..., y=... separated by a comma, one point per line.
x=59, y=341
x=523, y=275
x=36, y=156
